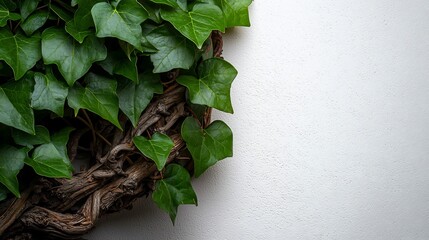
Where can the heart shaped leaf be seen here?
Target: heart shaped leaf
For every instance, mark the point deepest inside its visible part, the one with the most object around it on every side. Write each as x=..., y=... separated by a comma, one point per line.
x=173, y=190
x=197, y=24
x=11, y=162
x=20, y=52
x=73, y=59
x=29, y=140
x=99, y=96
x=207, y=146
x=80, y=26
x=158, y=148
x=121, y=21
x=213, y=85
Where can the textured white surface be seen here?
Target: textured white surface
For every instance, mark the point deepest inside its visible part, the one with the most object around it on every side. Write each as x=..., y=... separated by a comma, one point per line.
x=331, y=130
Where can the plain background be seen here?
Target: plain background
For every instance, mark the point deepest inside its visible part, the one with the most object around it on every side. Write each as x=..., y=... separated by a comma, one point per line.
x=331, y=130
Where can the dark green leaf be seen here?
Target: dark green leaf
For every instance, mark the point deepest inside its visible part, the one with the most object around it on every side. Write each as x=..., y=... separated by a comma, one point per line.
x=207, y=146
x=99, y=96
x=122, y=21
x=173, y=3
x=197, y=24
x=73, y=59
x=3, y=192
x=158, y=148
x=174, y=50
x=20, y=52
x=28, y=7
x=49, y=93
x=29, y=140
x=15, y=108
x=134, y=98
x=11, y=162
x=173, y=190
x=60, y=12
x=117, y=63
x=212, y=87
x=51, y=159
x=5, y=13
x=35, y=21
x=79, y=26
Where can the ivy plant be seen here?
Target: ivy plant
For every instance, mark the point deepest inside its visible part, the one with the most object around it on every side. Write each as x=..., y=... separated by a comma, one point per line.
x=64, y=60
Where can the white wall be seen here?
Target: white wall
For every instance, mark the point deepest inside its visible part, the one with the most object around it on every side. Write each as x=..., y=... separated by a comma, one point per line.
x=331, y=130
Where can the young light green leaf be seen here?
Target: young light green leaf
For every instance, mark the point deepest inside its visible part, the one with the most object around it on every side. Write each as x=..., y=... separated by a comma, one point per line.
x=28, y=7
x=20, y=52
x=173, y=190
x=3, y=192
x=197, y=24
x=15, y=108
x=73, y=59
x=207, y=146
x=99, y=96
x=117, y=63
x=134, y=98
x=79, y=26
x=35, y=21
x=29, y=140
x=213, y=85
x=49, y=93
x=121, y=21
x=183, y=4
x=11, y=162
x=51, y=159
x=158, y=148
x=6, y=15
x=174, y=50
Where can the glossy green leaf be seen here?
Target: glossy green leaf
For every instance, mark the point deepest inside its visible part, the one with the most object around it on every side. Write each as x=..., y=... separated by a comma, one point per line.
x=157, y=148
x=15, y=108
x=174, y=50
x=197, y=24
x=49, y=93
x=118, y=63
x=11, y=162
x=28, y=7
x=134, y=98
x=20, y=52
x=60, y=12
x=29, y=140
x=212, y=87
x=207, y=146
x=73, y=59
x=183, y=4
x=34, y=22
x=80, y=26
x=173, y=190
x=236, y=12
x=5, y=13
x=98, y=96
x=51, y=159
x=121, y=21
x=3, y=192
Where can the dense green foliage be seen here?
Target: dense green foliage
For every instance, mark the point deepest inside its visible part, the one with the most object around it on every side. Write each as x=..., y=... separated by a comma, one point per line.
x=59, y=58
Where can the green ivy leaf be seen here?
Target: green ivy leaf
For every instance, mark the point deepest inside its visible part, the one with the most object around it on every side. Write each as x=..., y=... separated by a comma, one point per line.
x=197, y=24
x=207, y=146
x=15, y=108
x=183, y=4
x=5, y=14
x=20, y=52
x=174, y=50
x=29, y=140
x=121, y=21
x=60, y=12
x=134, y=98
x=212, y=87
x=28, y=7
x=79, y=26
x=35, y=21
x=173, y=190
x=3, y=192
x=236, y=12
x=158, y=148
x=11, y=162
x=99, y=96
x=117, y=63
x=49, y=93
x=73, y=59
x=51, y=159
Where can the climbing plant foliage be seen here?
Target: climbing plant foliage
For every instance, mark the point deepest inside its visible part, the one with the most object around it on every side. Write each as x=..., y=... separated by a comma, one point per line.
x=64, y=59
